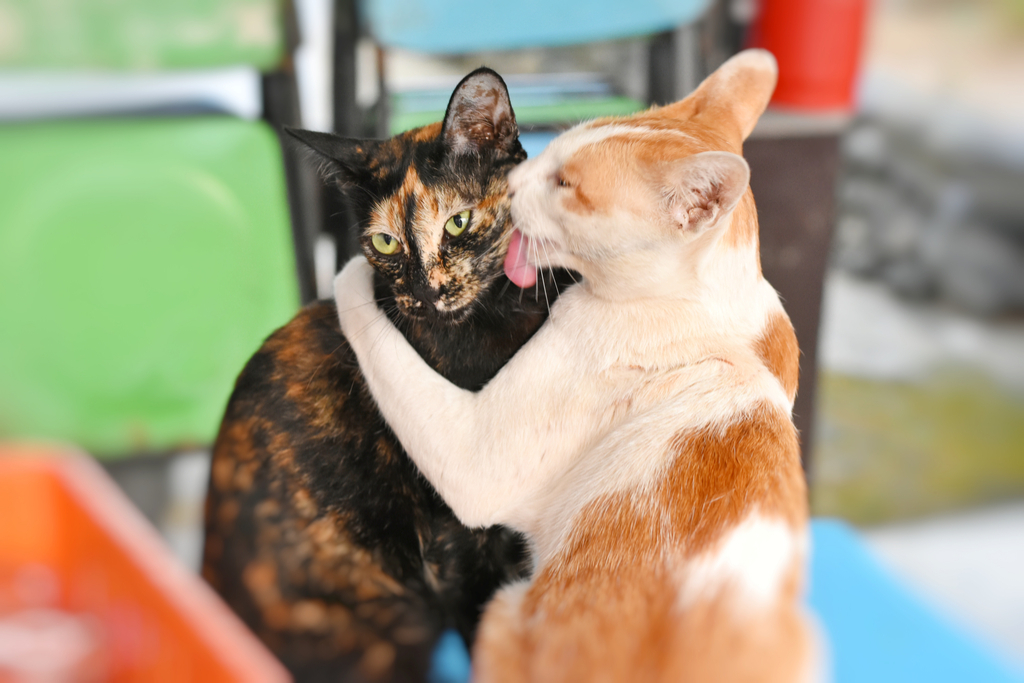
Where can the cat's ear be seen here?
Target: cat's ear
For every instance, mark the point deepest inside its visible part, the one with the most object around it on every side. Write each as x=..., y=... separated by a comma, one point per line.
x=732, y=98
x=704, y=188
x=480, y=116
x=342, y=160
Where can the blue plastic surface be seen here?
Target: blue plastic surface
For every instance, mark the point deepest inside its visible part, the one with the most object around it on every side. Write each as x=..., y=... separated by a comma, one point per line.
x=457, y=26
x=534, y=143
x=451, y=660
x=877, y=632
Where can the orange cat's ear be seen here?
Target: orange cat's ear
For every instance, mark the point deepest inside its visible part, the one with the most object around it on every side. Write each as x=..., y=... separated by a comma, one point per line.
x=480, y=116
x=704, y=188
x=732, y=98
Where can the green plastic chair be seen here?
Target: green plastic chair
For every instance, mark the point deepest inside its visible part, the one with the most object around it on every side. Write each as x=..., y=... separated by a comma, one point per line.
x=141, y=34
x=142, y=259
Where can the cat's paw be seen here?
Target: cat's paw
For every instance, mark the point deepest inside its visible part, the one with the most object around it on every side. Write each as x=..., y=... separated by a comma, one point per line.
x=353, y=294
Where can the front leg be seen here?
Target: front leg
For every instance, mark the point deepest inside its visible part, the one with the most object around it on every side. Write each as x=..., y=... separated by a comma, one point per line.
x=480, y=450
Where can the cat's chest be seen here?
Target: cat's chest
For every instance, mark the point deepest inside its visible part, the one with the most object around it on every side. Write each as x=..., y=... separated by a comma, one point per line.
x=471, y=353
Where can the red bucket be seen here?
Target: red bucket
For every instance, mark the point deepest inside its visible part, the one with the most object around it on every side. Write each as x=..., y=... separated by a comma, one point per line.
x=818, y=45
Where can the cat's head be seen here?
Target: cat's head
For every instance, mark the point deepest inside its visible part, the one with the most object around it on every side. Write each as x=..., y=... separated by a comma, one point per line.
x=434, y=215
x=622, y=193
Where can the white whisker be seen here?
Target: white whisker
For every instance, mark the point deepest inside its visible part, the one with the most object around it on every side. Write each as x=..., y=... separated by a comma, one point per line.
x=532, y=256
x=547, y=301
x=352, y=308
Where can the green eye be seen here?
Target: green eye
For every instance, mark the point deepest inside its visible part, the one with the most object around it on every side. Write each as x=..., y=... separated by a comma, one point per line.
x=456, y=225
x=384, y=243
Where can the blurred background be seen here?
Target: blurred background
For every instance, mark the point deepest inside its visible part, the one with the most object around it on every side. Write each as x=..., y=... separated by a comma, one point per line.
x=154, y=228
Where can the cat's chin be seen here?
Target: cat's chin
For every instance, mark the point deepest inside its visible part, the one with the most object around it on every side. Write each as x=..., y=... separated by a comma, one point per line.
x=429, y=314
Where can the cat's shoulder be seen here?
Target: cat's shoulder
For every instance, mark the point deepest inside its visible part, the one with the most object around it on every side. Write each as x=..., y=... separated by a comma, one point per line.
x=315, y=328
x=302, y=344
x=298, y=367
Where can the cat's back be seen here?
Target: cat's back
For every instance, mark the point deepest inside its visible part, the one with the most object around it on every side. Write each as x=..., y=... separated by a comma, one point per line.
x=303, y=477
x=321, y=534
x=304, y=375
x=688, y=563
x=298, y=398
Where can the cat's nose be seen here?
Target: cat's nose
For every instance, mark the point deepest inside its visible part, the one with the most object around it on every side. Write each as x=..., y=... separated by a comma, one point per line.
x=426, y=293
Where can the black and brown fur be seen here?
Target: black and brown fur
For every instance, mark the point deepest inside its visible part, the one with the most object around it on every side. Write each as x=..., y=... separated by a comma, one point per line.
x=320, y=532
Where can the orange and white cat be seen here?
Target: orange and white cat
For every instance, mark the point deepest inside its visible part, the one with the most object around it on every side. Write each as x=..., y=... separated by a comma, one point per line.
x=642, y=439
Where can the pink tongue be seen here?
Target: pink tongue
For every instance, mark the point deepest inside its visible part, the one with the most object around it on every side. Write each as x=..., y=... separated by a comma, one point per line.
x=516, y=267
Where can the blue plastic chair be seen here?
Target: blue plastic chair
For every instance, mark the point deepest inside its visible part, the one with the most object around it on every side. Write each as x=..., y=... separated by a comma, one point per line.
x=877, y=630
x=448, y=27
x=461, y=26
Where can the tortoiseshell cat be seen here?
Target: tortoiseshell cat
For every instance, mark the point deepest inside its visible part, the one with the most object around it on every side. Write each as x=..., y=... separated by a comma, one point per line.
x=320, y=532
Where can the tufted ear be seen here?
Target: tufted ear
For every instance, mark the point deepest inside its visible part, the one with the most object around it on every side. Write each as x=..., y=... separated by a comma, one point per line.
x=704, y=188
x=480, y=116
x=343, y=160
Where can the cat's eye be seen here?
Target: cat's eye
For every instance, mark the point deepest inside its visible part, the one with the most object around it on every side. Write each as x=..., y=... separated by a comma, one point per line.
x=456, y=225
x=384, y=243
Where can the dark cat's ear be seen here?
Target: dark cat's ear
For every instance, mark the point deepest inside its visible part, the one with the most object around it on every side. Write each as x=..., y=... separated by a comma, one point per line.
x=480, y=115
x=343, y=160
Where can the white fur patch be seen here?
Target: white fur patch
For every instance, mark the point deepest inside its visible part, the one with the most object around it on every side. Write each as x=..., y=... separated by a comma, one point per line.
x=634, y=455
x=575, y=139
x=754, y=557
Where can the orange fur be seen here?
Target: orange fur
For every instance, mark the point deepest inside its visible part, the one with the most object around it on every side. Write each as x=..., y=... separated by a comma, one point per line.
x=610, y=578
x=743, y=230
x=778, y=349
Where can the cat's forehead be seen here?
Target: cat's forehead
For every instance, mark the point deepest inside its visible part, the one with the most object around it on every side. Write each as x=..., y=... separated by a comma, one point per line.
x=609, y=163
x=391, y=159
x=601, y=141
x=420, y=161
x=414, y=203
x=421, y=183
x=418, y=209
x=582, y=136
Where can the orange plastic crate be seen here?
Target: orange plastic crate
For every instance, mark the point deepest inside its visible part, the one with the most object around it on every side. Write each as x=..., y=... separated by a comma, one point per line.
x=62, y=517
